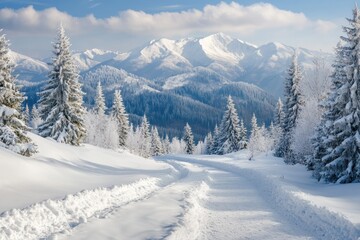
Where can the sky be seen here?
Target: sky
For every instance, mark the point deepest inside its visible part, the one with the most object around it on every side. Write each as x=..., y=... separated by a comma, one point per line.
x=120, y=25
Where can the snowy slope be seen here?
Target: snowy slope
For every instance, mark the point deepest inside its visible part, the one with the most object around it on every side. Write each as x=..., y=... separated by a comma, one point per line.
x=28, y=69
x=174, y=197
x=89, y=58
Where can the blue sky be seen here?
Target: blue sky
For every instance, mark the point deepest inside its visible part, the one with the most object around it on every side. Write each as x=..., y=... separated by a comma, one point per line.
x=122, y=25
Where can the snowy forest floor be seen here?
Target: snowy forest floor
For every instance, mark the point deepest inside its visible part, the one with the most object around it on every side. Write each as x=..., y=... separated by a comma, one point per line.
x=169, y=197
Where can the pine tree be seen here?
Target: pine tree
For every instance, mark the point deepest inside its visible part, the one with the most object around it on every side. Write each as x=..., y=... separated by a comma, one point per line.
x=99, y=100
x=254, y=126
x=230, y=135
x=61, y=99
x=35, y=117
x=209, y=143
x=337, y=153
x=156, y=146
x=279, y=114
x=121, y=116
x=292, y=106
x=188, y=139
x=145, y=138
x=243, y=135
x=26, y=115
x=216, y=142
x=12, y=128
x=166, y=145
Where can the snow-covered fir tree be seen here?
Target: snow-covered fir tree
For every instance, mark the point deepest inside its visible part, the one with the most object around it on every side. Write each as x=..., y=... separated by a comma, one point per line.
x=177, y=146
x=291, y=110
x=188, y=139
x=279, y=114
x=61, y=98
x=12, y=128
x=243, y=135
x=209, y=142
x=101, y=130
x=26, y=115
x=99, y=100
x=166, y=145
x=338, y=151
x=230, y=135
x=145, y=138
x=35, y=118
x=156, y=146
x=119, y=113
x=216, y=140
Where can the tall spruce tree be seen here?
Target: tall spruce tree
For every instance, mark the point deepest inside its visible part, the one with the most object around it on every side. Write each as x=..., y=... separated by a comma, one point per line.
x=243, y=135
x=12, y=128
x=99, y=100
x=121, y=117
x=230, y=135
x=279, y=114
x=61, y=98
x=216, y=142
x=145, y=138
x=156, y=145
x=188, y=139
x=338, y=150
x=292, y=106
x=209, y=143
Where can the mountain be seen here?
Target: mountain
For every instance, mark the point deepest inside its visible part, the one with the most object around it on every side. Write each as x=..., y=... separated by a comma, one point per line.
x=232, y=58
x=179, y=81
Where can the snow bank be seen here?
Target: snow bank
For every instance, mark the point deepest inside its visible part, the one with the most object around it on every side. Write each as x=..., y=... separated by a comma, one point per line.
x=46, y=218
x=192, y=218
x=320, y=221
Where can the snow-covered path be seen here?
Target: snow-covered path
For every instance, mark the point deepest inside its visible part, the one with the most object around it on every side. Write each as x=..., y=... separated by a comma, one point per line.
x=206, y=203
x=201, y=197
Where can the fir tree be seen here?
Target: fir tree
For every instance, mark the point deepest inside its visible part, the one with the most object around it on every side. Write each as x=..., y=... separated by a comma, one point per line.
x=35, y=117
x=26, y=115
x=145, y=138
x=61, y=99
x=338, y=150
x=230, y=135
x=243, y=135
x=99, y=100
x=12, y=128
x=279, y=114
x=216, y=142
x=122, y=118
x=209, y=143
x=166, y=145
x=291, y=110
x=188, y=139
x=156, y=146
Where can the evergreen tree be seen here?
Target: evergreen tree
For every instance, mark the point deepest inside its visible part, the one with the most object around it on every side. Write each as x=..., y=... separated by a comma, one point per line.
x=216, y=142
x=156, y=146
x=26, y=115
x=145, y=138
x=121, y=116
x=35, y=117
x=61, y=99
x=254, y=126
x=243, y=135
x=326, y=136
x=12, y=128
x=230, y=135
x=279, y=114
x=99, y=100
x=166, y=145
x=209, y=141
x=188, y=139
x=291, y=110
x=338, y=150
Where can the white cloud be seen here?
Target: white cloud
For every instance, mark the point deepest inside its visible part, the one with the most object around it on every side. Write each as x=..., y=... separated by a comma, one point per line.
x=245, y=21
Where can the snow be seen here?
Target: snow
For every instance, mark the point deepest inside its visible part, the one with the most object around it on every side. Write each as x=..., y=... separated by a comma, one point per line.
x=171, y=197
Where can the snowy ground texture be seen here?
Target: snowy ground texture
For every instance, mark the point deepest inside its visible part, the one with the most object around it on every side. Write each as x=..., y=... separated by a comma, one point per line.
x=171, y=197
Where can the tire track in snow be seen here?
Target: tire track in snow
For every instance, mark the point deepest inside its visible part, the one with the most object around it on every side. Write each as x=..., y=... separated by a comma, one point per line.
x=318, y=221
x=45, y=219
